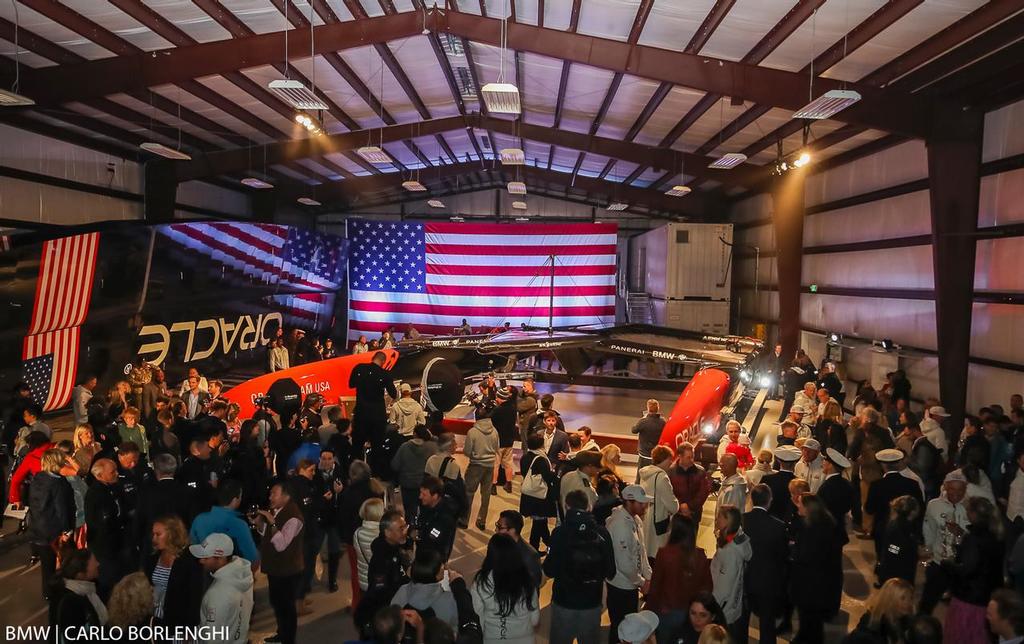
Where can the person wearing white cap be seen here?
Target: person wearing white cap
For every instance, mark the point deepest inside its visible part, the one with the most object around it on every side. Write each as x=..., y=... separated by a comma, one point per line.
x=632, y=568
x=836, y=493
x=799, y=415
x=638, y=628
x=810, y=468
x=807, y=399
x=892, y=485
x=945, y=520
x=227, y=602
x=782, y=505
x=407, y=412
x=931, y=427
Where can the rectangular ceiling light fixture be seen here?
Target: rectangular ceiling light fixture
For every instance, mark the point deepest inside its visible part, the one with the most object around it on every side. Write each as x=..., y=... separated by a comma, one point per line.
x=728, y=161
x=308, y=201
x=456, y=219
x=522, y=219
x=259, y=184
x=435, y=203
x=414, y=186
x=617, y=206
x=296, y=94
x=519, y=205
x=516, y=188
x=10, y=99
x=162, y=150
x=678, y=191
x=828, y=104
x=373, y=154
x=501, y=98
x=512, y=156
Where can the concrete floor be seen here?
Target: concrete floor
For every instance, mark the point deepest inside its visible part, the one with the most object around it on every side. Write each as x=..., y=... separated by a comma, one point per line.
x=607, y=411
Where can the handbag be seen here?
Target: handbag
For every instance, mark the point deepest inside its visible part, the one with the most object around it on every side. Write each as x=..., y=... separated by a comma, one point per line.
x=660, y=527
x=534, y=485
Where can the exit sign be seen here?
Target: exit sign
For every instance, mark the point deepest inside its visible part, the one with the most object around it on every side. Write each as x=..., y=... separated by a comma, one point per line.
x=814, y=288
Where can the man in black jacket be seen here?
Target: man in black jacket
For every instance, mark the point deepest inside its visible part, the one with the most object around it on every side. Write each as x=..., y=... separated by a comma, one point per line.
x=196, y=470
x=648, y=430
x=164, y=497
x=892, y=485
x=370, y=416
x=580, y=559
x=505, y=419
x=388, y=568
x=106, y=526
x=767, y=570
x=781, y=503
x=327, y=486
x=436, y=519
x=837, y=495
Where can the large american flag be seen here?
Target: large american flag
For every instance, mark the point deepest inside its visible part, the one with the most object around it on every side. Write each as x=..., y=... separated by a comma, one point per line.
x=63, y=292
x=435, y=274
x=308, y=264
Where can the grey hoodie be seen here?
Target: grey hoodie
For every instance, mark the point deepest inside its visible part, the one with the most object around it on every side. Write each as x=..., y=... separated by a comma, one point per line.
x=481, y=446
x=432, y=596
x=406, y=413
x=228, y=602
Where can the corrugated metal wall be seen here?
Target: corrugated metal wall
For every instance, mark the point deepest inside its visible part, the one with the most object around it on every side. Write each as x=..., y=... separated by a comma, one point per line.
x=997, y=329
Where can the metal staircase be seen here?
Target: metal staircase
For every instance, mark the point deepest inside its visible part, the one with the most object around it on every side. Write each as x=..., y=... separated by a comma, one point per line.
x=639, y=308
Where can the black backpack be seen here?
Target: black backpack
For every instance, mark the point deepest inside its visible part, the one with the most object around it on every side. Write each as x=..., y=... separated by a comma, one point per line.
x=585, y=557
x=454, y=489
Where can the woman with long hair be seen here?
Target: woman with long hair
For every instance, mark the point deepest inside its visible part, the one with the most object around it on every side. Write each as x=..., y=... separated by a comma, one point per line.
x=534, y=463
x=829, y=430
x=813, y=572
x=177, y=578
x=899, y=545
x=53, y=512
x=611, y=459
x=888, y=612
x=86, y=447
x=703, y=613
x=73, y=598
x=681, y=572
x=504, y=596
x=131, y=602
x=975, y=572
x=727, y=566
x=117, y=400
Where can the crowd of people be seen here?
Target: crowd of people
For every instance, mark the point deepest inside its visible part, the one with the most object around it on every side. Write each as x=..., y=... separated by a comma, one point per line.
x=165, y=506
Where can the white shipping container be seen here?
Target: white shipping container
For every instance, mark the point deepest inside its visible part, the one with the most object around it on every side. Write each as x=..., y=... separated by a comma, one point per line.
x=692, y=315
x=680, y=261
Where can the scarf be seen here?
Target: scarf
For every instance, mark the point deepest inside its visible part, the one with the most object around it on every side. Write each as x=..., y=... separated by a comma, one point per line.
x=87, y=589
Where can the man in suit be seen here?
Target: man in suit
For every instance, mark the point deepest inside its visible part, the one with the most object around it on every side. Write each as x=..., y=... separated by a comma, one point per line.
x=164, y=497
x=195, y=398
x=892, y=485
x=781, y=504
x=556, y=441
x=837, y=495
x=767, y=570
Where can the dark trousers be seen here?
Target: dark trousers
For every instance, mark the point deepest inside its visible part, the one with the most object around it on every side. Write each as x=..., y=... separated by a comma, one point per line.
x=620, y=603
x=767, y=609
x=314, y=540
x=283, y=593
x=936, y=582
x=539, y=532
x=410, y=503
x=110, y=573
x=812, y=626
x=47, y=564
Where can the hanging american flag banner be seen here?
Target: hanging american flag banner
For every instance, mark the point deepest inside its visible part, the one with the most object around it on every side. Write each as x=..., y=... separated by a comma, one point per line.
x=434, y=275
x=310, y=264
x=63, y=292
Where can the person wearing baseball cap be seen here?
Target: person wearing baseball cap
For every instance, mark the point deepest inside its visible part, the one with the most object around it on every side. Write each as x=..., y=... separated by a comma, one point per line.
x=836, y=493
x=407, y=412
x=931, y=427
x=810, y=468
x=638, y=628
x=892, y=485
x=782, y=505
x=945, y=519
x=587, y=464
x=227, y=602
x=632, y=568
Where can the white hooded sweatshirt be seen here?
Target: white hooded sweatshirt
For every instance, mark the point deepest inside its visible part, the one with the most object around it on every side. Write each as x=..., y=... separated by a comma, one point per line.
x=727, y=568
x=228, y=602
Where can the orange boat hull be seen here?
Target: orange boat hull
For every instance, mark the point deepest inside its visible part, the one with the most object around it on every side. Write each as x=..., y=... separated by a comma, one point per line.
x=700, y=403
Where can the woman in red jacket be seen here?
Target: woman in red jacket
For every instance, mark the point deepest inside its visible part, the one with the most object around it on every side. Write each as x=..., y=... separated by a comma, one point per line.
x=681, y=572
x=30, y=465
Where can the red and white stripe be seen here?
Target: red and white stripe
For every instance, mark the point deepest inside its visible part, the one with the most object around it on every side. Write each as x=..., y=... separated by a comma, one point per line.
x=64, y=287
x=490, y=274
x=63, y=344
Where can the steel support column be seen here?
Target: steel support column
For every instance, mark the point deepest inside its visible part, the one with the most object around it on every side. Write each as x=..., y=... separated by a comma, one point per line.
x=160, y=192
x=954, y=174
x=788, y=219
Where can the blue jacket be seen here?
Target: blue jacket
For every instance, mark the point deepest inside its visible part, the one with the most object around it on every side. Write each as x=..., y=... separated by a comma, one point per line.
x=229, y=522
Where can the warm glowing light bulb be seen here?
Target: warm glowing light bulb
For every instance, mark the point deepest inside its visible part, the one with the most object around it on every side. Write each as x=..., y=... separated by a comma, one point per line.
x=802, y=160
